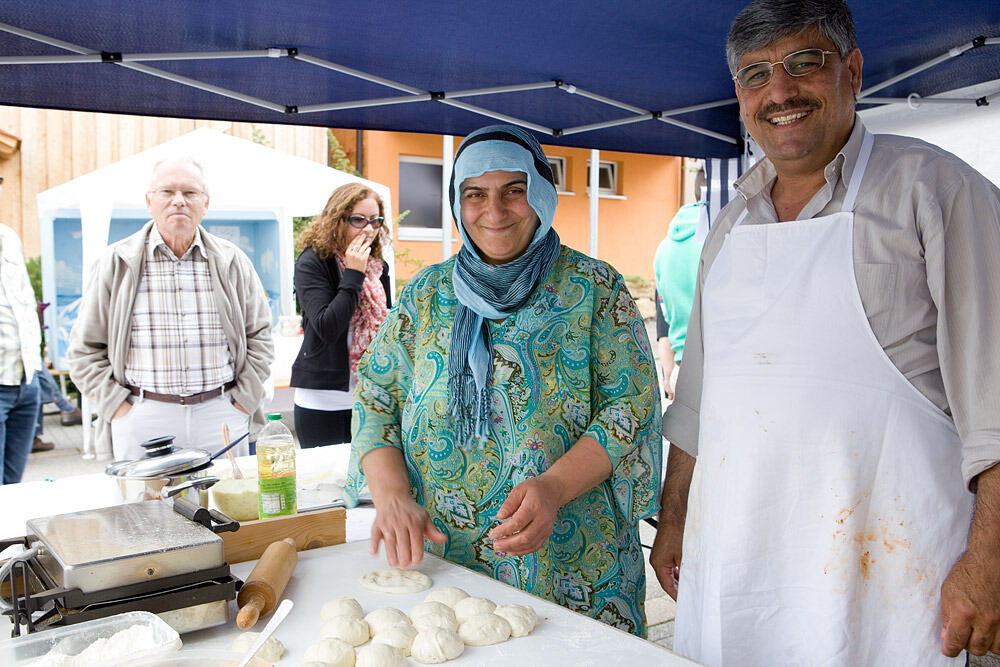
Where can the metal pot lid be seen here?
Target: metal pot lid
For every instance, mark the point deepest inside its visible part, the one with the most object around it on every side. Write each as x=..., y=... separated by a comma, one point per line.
x=162, y=460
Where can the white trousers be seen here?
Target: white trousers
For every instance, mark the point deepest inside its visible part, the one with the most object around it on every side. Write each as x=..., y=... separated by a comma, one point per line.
x=193, y=426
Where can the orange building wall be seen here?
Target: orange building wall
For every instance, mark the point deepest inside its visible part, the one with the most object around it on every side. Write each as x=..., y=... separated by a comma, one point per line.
x=630, y=229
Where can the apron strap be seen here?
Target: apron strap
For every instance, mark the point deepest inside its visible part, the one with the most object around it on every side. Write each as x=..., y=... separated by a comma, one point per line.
x=859, y=172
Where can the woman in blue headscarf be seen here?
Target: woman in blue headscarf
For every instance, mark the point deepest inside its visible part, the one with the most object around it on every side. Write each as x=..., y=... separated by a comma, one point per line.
x=507, y=409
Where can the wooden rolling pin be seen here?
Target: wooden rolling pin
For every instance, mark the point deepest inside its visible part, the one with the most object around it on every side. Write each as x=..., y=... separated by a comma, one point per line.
x=266, y=583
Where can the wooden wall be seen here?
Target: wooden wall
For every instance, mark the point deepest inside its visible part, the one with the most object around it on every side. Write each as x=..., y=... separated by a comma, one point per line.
x=58, y=146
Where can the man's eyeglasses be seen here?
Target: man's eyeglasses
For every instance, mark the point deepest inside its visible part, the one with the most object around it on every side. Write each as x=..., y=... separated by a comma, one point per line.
x=800, y=63
x=361, y=221
x=165, y=194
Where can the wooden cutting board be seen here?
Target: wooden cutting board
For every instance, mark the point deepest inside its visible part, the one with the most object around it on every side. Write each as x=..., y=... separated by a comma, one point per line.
x=310, y=530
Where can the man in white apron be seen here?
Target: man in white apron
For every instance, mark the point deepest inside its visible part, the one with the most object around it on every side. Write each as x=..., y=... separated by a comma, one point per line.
x=841, y=383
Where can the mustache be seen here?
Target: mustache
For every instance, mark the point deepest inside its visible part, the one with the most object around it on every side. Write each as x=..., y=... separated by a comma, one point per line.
x=787, y=105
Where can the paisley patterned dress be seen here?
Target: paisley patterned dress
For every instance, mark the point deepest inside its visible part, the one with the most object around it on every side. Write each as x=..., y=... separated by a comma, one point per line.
x=573, y=361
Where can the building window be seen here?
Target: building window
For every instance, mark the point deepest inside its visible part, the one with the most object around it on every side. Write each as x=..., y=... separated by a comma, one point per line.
x=420, y=194
x=558, y=165
x=607, y=178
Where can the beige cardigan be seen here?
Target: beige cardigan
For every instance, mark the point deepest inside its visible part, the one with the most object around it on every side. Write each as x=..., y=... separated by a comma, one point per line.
x=99, y=341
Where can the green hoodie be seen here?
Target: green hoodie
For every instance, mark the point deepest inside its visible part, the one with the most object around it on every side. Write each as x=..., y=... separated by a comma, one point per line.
x=676, y=269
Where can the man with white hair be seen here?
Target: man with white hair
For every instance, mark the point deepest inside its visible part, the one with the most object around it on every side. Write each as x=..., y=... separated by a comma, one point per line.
x=173, y=337
x=832, y=482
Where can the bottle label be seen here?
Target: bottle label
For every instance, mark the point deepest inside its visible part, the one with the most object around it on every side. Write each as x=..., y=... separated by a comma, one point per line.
x=277, y=496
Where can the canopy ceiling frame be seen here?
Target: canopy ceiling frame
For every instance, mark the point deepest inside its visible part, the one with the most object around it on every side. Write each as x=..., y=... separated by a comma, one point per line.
x=413, y=94
x=129, y=61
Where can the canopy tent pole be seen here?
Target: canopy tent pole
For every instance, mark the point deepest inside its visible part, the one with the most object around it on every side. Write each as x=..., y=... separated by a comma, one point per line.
x=594, y=174
x=952, y=53
x=447, y=164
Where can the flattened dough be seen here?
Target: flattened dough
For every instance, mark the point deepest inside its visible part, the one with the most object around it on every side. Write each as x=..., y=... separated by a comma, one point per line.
x=484, y=630
x=332, y=652
x=436, y=645
x=352, y=630
x=385, y=618
x=448, y=595
x=380, y=655
x=469, y=607
x=400, y=582
x=271, y=651
x=433, y=615
x=341, y=607
x=522, y=618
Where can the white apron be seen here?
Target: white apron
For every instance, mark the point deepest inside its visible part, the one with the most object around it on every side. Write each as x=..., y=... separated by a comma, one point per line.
x=827, y=503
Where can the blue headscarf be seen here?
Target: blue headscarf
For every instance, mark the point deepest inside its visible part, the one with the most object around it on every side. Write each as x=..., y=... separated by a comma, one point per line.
x=486, y=291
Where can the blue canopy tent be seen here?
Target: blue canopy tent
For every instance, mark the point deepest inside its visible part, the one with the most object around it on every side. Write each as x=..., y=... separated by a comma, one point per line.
x=642, y=76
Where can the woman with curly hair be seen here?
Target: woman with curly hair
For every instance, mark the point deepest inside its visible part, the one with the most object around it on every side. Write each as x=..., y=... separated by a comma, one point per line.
x=342, y=285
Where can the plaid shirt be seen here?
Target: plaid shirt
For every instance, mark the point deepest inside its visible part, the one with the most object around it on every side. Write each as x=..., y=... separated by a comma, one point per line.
x=20, y=335
x=177, y=343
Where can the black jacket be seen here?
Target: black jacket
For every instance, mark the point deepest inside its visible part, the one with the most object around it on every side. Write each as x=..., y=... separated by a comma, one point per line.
x=327, y=299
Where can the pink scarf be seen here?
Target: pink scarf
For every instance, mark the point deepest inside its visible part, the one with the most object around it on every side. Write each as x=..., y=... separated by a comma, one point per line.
x=371, y=310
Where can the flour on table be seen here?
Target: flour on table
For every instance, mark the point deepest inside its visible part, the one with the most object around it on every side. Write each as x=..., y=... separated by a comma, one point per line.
x=332, y=652
x=270, y=651
x=341, y=607
x=484, y=630
x=433, y=615
x=380, y=655
x=469, y=607
x=436, y=645
x=352, y=630
x=402, y=582
x=522, y=618
x=385, y=618
x=448, y=595
x=128, y=642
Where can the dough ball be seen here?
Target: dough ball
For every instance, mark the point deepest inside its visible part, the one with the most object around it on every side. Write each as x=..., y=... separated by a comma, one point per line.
x=380, y=655
x=341, y=607
x=385, y=618
x=449, y=595
x=469, y=607
x=400, y=635
x=352, y=630
x=522, y=618
x=313, y=663
x=401, y=582
x=484, y=629
x=436, y=645
x=433, y=615
x=332, y=652
x=271, y=651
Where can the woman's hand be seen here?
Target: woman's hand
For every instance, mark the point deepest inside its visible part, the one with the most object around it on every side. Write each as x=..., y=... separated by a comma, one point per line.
x=358, y=250
x=530, y=509
x=530, y=513
x=399, y=521
x=402, y=524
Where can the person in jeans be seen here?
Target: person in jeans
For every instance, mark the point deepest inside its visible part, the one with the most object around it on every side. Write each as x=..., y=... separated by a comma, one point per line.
x=20, y=358
x=69, y=414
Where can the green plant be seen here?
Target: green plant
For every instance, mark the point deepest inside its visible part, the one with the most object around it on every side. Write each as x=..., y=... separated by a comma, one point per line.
x=258, y=136
x=34, y=266
x=338, y=156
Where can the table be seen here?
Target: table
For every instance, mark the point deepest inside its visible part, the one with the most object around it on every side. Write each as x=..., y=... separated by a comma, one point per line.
x=563, y=637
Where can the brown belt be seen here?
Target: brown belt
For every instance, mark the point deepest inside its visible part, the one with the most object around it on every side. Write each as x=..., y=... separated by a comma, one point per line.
x=193, y=399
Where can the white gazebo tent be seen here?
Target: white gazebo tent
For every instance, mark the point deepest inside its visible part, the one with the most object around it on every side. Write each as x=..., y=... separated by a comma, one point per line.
x=242, y=177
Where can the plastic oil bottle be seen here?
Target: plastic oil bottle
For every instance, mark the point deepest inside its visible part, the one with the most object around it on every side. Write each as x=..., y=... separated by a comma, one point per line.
x=276, y=469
